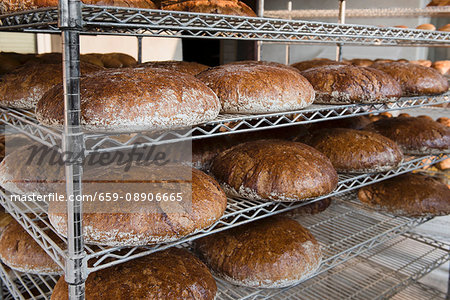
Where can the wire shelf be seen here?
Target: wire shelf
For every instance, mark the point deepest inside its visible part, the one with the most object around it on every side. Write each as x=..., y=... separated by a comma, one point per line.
x=392, y=268
x=437, y=11
x=378, y=273
x=239, y=211
x=25, y=286
x=25, y=122
x=144, y=22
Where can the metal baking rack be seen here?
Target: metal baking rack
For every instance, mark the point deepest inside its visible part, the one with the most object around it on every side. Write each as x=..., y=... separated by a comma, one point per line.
x=73, y=19
x=25, y=122
x=33, y=217
x=436, y=11
x=145, y=22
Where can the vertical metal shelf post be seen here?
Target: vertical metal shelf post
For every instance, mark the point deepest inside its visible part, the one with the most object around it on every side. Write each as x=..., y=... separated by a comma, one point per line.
x=259, y=43
x=70, y=23
x=341, y=20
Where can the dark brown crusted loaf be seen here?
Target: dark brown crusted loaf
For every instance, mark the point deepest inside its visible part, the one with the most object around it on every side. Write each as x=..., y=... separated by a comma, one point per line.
x=137, y=99
x=352, y=84
x=258, y=88
x=415, y=79
x=23, y=87
x=127, y=223
x=8, y=6
x=205, y=150
x=408, y=195
x=356, y=151
x=415, y=136
x=21, y=252
x=5, y=219
x=167, y=274
x=224, y=7
x=275, y=170
x=191, y=68
x=270, y=253
x=309, y=64
x=310, y=209
x=358, y=122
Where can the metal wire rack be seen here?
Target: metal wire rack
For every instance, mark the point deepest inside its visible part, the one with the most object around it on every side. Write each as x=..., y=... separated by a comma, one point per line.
x=239, y=211
x=25, y=122
x=378, y=273
x=437, y=11
x=145, y=22
x=419, y=291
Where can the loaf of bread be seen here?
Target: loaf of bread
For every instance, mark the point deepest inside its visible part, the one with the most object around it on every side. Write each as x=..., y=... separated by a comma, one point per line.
x=444, y=121
x=205, y=150
x=145, y=220
x=8, y=6
x=442, y=66
x=258, y=88
x=426, y=27
x=415, y=136
x=445, y=28
x=361, y=62
x=310, y=209
x=422, y=62
x=274, y=170
x=5, y=219
x=223, y=7
x=439, y=3
x=270, y=253
x=23, y=87
x=109, y=60
x=412, y=195
x=167, y=274
x=191, y=68
x=415, y=80
x=309, y=64
x=19, y=251
x=356, y=151
x=358, y=122
x=137, y=99
x=351, y=84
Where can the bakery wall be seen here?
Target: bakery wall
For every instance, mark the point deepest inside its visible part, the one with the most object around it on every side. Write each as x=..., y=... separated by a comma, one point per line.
x=275, y=52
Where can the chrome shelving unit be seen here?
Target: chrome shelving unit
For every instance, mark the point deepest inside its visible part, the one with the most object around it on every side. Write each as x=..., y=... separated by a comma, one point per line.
x=72, y=19
x=378, y=273
x=25, y=122
x=33, y=217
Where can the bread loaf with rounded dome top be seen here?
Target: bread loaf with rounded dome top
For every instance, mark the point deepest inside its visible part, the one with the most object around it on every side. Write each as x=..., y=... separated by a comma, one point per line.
x=223, y=7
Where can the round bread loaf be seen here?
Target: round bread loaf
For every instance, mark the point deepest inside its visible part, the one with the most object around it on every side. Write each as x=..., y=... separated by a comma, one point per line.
x=23, y=87
x=415, y=136
x=351, y=84
x=191, y=68
x=309, y=64
x=411, y=195
x=167, y=274
x=439, y=3
x=205, y=150
x=358, y=122
x=442, y=66
x=309, y=209
x=426, y=26
x=19, y=251
x=5, y=219
x=262, y=62
x=446, y=27
x=270, y=253
x=136, y=99
x=223, y=7
x=361, y=62
x=7, y=6
x=415, y=79
x=444, y=121
x=422, y=62
x=130, y=222
x=356, y=151
x=275, y=170
x=258, y=88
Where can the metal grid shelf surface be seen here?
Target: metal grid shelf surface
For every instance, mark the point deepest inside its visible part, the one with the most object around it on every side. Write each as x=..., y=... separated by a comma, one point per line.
x=436, y=11
x=145, y=22
x=25, y=122
x=419, y=291
x=24, y=286
x=379, y=273
x=32, y=216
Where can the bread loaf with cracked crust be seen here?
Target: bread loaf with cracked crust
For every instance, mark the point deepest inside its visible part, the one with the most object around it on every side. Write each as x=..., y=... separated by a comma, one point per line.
x=5, y=219
x=415, y=80
x=258, y=88
x=270, y=253
x=414, y=136
x=352, y=84
x=137, y=99
x=23, y=87
x=412, y=195
x=8, y=6
x=191, y=68
x=131, y=223
x=223, y=7
x=356, y=151
x=274, y=170
x=19, y=251
x=309, y=64
x=169, y=274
